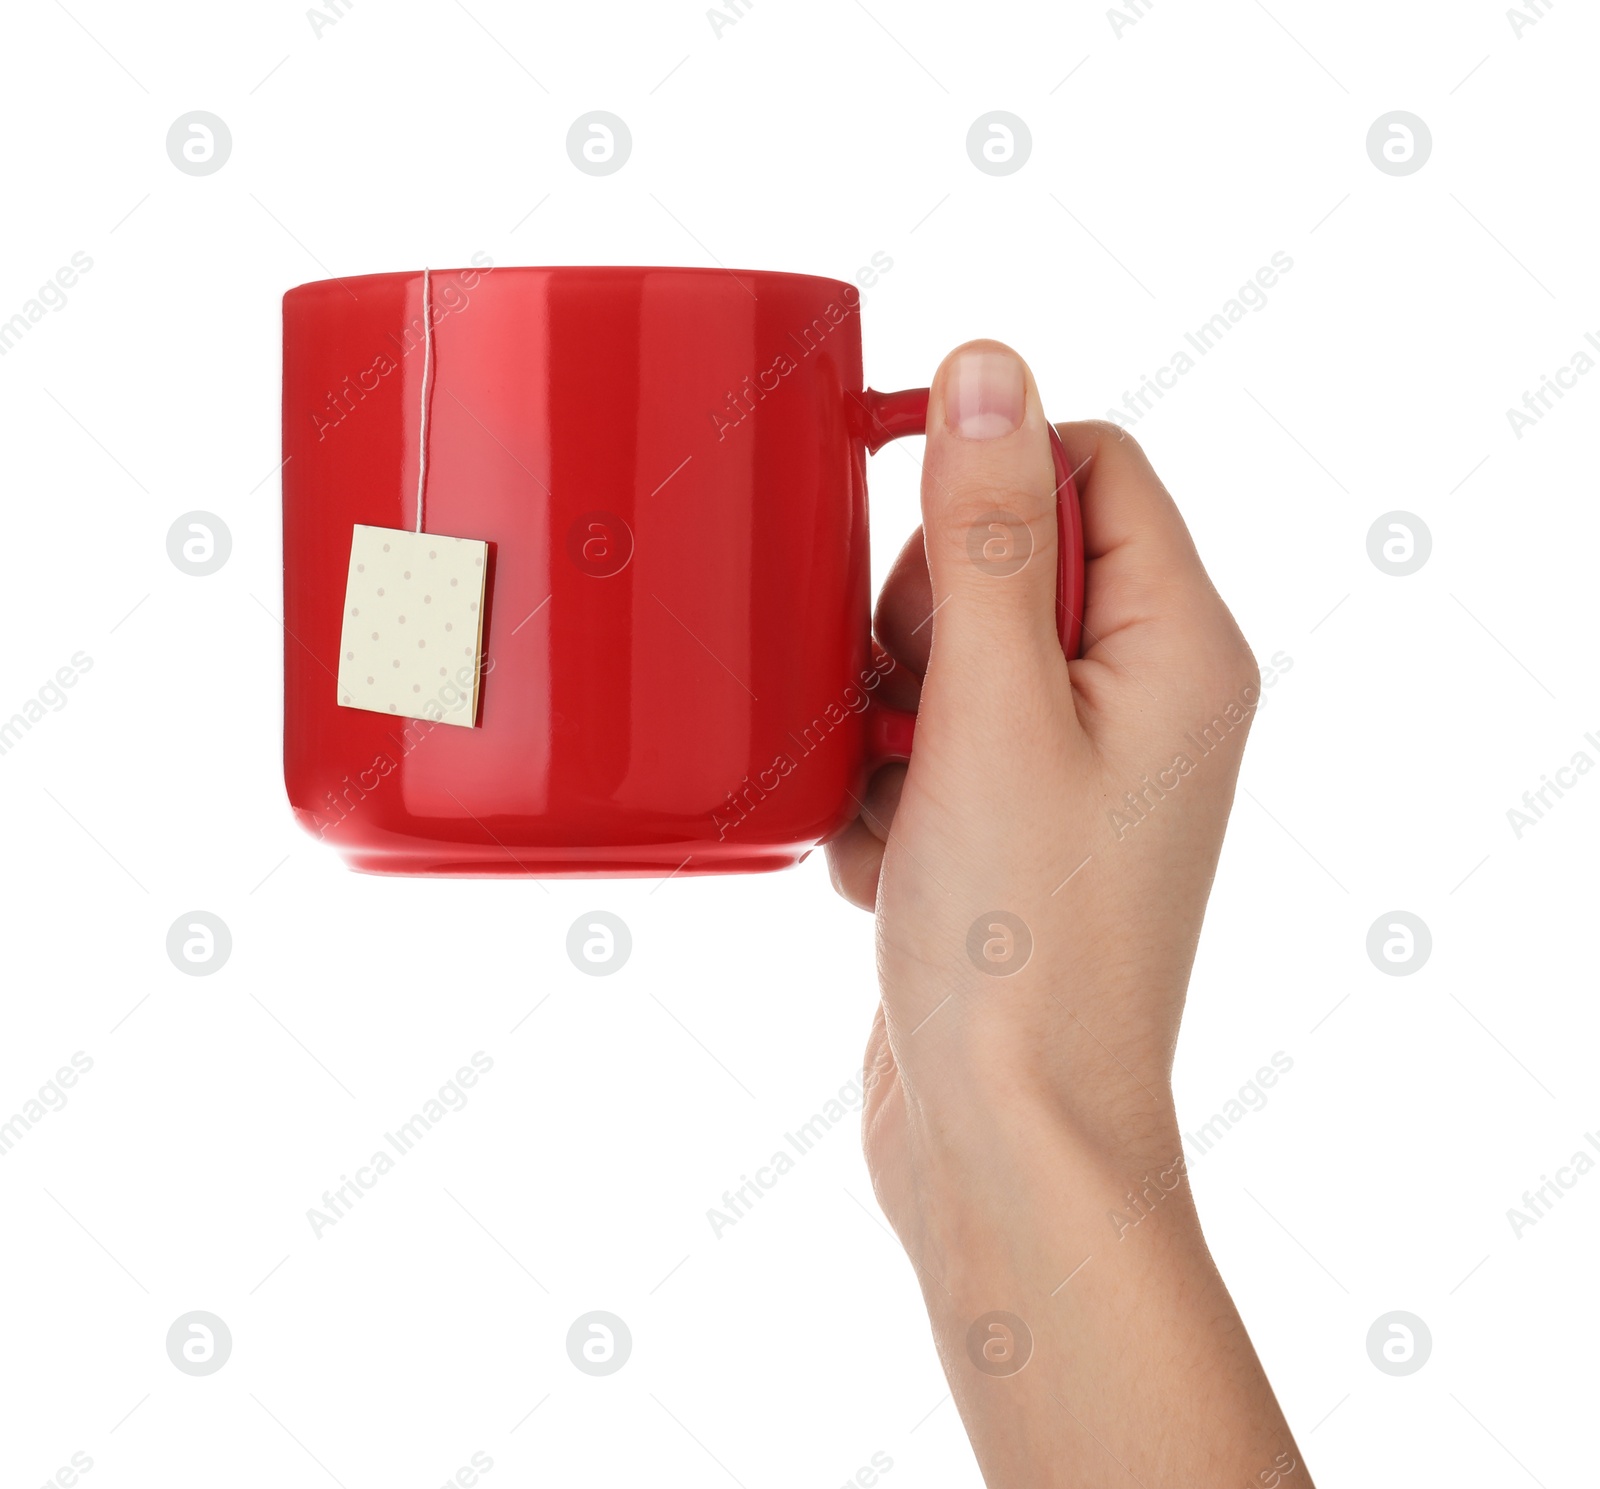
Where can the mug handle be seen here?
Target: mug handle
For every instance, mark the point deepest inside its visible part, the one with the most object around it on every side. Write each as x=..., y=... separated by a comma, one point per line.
x=889, y=416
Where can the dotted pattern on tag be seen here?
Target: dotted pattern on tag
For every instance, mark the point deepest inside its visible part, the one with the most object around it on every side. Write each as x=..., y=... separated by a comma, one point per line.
x=413, y=625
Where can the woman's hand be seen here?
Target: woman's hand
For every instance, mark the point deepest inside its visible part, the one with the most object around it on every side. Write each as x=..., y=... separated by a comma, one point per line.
x=1039, y=872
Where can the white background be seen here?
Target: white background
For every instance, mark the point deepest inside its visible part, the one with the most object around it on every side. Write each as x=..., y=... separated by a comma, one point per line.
x=1176, y=159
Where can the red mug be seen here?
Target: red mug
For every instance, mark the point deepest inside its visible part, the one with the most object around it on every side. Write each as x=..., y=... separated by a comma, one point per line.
x=669, y=469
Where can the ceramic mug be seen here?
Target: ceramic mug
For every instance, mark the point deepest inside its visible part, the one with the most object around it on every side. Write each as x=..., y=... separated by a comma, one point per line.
x=669, y=469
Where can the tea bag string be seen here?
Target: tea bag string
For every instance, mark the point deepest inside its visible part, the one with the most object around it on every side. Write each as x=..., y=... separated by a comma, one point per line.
x=427, y=369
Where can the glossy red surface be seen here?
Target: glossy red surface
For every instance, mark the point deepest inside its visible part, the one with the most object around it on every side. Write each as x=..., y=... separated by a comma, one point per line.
x=668, y=466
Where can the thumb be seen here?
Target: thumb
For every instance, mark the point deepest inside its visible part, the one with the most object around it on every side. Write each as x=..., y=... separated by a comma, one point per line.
x=989, y=518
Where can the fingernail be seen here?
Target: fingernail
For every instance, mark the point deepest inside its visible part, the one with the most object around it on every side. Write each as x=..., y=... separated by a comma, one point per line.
x=984, y=395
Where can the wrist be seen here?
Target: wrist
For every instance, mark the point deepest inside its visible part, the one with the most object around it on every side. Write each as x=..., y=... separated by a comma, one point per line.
x=1033, y=1121
x=1015, y=1195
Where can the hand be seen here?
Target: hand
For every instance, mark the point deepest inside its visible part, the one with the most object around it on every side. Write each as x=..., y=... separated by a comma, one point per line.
x=1039, y=872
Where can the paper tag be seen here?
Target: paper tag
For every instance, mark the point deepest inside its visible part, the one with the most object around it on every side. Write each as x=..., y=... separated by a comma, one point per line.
x=413, y=625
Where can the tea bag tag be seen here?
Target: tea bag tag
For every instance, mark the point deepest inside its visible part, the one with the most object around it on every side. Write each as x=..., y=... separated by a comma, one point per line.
x=412, y=641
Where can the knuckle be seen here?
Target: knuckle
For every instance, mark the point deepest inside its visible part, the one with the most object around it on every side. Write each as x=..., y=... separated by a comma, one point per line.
x=1230, y=679
x=1230, y=666
x=1012, y=504
x=1108, y=433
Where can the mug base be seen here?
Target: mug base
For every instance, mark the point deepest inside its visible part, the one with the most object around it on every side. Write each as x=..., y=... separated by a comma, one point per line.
x=458, y=862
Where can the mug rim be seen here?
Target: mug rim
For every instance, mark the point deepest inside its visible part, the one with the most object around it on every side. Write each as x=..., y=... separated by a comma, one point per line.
x=632, y=270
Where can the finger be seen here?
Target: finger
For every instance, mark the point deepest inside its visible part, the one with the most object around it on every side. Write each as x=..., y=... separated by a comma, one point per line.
x=898, y=686
x=903, y=621
x=855, y=860
x=855, y=856
x=989, y=515
x=1148, y=601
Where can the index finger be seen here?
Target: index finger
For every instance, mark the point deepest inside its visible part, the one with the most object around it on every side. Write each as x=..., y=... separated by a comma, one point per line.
x=1149, y=603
